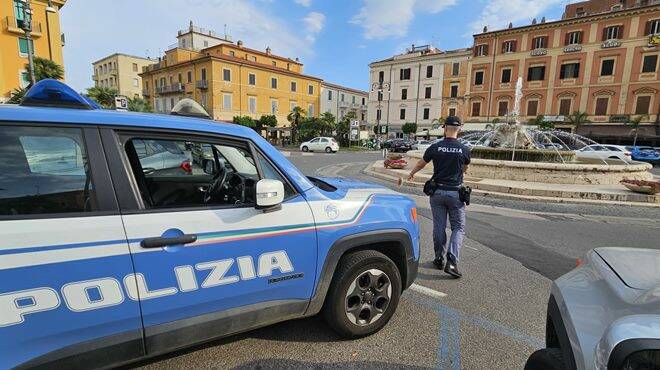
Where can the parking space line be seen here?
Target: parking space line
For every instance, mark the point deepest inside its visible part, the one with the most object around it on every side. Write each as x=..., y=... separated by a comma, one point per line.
x=428, y=291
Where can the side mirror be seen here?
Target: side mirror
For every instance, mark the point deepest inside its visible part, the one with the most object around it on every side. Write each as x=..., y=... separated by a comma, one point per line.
x=209, y=167
x=270, y=195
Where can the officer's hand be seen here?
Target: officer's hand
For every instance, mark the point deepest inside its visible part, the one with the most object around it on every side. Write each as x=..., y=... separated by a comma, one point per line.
x=411, y=177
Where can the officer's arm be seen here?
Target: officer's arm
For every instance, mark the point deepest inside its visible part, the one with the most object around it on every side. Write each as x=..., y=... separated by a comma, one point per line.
x=418, y=167
x=465, y=168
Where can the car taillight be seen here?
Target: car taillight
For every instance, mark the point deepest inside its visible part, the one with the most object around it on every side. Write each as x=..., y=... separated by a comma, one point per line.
x=627, y=153
x=186, y=166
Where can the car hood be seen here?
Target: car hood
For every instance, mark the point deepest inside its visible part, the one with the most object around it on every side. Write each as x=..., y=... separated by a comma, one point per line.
x=637, y=267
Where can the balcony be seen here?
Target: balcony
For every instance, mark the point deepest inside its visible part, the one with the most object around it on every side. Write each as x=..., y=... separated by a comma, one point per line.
x=146, y=92
x=202, y=84
x=176, y=87
x=344, y=104
x=14, y=25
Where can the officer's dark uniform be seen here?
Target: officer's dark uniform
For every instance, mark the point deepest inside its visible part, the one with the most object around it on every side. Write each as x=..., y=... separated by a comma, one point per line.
x=449, y=158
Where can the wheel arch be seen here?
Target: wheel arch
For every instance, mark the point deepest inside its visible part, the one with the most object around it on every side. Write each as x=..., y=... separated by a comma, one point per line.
x=396, y=244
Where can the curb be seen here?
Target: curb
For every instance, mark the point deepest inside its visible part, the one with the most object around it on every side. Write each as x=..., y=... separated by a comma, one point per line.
x=495, y=194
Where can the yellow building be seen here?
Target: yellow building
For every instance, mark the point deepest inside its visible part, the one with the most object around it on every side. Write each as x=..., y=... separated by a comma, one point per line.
x=46, y=39
x=121, y=72
x=229, y=79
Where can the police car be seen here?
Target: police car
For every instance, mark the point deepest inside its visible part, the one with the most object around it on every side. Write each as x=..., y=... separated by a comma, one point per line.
x=128, y=235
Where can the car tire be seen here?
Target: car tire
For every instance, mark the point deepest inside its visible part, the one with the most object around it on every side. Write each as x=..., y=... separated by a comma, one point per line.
x=328, y=150
x=305, y=149
x=364, y=294
x=546, y=359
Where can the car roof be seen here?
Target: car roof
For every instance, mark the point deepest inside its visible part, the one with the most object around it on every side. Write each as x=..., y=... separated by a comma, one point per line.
x=102, y=117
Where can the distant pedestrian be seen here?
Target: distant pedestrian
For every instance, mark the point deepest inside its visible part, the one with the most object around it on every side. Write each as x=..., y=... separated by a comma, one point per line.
x=448, y=195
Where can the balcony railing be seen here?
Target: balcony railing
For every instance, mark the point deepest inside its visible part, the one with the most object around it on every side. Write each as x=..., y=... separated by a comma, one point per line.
x=202, y=84
x=14, y=25
x=176, y=87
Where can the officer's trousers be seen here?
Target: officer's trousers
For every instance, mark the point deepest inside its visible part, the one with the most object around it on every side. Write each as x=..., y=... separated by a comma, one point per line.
x=446, y=203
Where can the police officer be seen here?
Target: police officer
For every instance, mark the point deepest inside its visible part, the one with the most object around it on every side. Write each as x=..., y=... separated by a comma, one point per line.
x=450, y=161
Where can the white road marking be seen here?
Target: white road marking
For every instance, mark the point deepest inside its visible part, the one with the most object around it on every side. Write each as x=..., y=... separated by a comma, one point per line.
x=307, y=154
x=286, y=154
x=428, y=291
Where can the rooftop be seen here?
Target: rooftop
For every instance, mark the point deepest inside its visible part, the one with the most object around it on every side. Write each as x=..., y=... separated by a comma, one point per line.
x=125, y=55
x=340, y=87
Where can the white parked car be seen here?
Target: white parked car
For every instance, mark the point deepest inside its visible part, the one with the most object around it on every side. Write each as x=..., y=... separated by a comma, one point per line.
x=318, y=144
x=604, y=151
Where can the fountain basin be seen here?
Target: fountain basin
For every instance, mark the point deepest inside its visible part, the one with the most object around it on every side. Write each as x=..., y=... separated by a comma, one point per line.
x=525, y=155
x=552, y=173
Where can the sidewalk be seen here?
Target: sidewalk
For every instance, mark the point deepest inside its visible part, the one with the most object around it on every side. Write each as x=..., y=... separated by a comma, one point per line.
x=611, y=194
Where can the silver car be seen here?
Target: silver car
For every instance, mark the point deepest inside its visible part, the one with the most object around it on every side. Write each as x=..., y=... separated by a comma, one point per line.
x=605, y=314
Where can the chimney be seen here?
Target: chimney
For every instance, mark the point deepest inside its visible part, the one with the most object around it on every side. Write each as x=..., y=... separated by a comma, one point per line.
x=510, y=25
x=534, y=21
x=543, y=20
x=297, y=60
x=268, y=50
x=485, y=29
x=239, y=43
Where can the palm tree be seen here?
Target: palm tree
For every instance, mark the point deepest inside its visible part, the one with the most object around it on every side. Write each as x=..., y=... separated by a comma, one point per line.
x=17, y=95
x=327, y=121
x=138, y=104
x=578, y=119
x=105, y=96
x=296, y=117
x=634, y=123
x=46, y=68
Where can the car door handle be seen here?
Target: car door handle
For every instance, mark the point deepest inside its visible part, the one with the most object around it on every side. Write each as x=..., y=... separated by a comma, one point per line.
x=162, y=242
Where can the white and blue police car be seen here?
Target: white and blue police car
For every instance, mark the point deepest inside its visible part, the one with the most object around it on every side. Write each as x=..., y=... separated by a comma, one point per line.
x=128, y=235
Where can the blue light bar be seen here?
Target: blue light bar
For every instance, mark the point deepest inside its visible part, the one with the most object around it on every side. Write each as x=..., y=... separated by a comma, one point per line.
x=54, y=93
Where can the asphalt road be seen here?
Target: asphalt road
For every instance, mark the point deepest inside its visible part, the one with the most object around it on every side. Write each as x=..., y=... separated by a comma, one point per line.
x=492, y=318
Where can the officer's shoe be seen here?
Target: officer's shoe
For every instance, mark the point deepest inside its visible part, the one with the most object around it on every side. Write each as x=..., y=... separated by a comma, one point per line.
x=452, y=269
x=439, y=263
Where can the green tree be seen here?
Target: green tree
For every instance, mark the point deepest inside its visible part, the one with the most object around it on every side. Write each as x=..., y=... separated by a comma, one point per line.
x=296, y=118
x=542, y=124
x=104, y=96
x=138, y=104
x=246, y=121
x=17, y=95
x=46, y=68
x=409, y=128
x=328, y=123
x=634, y=123
x=578, y=119
x=268, y=121
x=310, y=128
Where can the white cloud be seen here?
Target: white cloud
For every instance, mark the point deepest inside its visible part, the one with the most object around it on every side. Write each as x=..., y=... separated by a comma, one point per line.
x=305, y=3
x=498, y=13
x=386, y=18
x=314, y=23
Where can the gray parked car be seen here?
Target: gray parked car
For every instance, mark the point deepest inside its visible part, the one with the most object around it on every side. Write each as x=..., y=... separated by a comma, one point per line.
x=605, y=314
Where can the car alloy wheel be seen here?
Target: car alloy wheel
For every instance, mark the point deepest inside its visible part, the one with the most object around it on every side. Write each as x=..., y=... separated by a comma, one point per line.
x=328, y=150
x=368, y=297
x=305, y=149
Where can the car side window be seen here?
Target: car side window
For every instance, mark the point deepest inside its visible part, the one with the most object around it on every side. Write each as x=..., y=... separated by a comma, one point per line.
x=184, y=173
x=324, y=140
x=269, y=172
x=44, y=170
x=315, y=140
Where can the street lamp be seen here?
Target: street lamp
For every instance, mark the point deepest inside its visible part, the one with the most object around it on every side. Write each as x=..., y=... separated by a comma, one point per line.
x=380, y=87
x=26, y=26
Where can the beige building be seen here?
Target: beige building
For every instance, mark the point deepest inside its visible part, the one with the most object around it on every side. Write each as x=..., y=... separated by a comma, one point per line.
x=121, y=72
x=601, y=58
x=340, y=100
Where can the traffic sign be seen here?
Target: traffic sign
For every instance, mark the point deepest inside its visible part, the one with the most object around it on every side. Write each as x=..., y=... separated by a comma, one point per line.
x=121, y=103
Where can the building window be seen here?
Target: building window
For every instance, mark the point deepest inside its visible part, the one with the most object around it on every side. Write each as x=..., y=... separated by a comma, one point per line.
x=273, y=83
x=601, y=106
x=476, y=109
x=206, y=43
x=455, y=69
x=252, y=79
x=226, y=101
x=652, y=27
x=253, y=58
x=310, y=89
x=329, y=94
x=427, y=92
x=573, y=38
x=378, y=114
x=404, y=74
x=179, y=78
x=509, y=46
x=404, y=94
x=231, y=53
x=565, y=107
x=540, y=42
x=643, y=105
x=226, y=75
x=292, y=105
x=203, y=74
x=363, y=101
x=402, y=113
x=353, y=100
x=569, y=70
x=579, y=12
x=380, y=96
x=189, y=76
x=506, y=75
x=23, y=46
x=607, y=67
x=479, y=78
x=452, y=111
x=650, y=63
x=25, y=79
x=427, y=113
x=294, y=86
x=481, y=50
x=203, y=99
x=429, y=71
x=273, y=106
x=136, y=82
x=453, y=91
x=310, y=110
x=381, y=76
x=612, y=33
x=532, y=107
x=536, y=73
x=135, y=67
x=252, y=104
x=502, y=108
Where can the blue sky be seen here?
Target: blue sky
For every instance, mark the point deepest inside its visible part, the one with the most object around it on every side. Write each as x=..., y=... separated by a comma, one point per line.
x=335, y=39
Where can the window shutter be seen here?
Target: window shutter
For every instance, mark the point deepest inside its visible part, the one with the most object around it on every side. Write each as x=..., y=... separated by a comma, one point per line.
x=515, y=45
x=605, y=34
x=503, y=48
x=567, y=39
x=620, y=33
x=577, y=70
x=485, y=49
x=545, y=42
x=579, y=37
x=474, y=51
x=647, y=30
